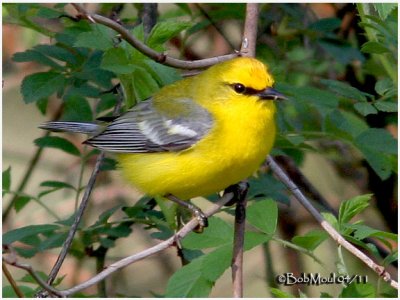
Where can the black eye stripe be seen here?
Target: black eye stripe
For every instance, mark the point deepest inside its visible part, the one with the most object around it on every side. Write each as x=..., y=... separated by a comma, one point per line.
x=244, y=90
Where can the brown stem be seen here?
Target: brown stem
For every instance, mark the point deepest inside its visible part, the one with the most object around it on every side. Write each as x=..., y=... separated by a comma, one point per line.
x=380, y=270
x=250, y=30
x=12, y=282
x=158, y=57
x=238, y=240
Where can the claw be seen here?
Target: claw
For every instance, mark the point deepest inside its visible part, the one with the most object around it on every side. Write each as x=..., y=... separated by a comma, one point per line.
x=197, y=212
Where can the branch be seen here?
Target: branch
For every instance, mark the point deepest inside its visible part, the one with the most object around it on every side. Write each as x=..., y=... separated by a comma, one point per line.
x=158, y=57
x=77, y=220
x=149, y=17
x=85, y=200
x=150, y=251
x=250, y=30
x=12, y=282
x=51, y=290
x=380, y=270
x=238, y=241
x=248, y=49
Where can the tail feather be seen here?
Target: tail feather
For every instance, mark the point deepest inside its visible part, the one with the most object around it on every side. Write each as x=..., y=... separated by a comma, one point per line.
x=78, y=127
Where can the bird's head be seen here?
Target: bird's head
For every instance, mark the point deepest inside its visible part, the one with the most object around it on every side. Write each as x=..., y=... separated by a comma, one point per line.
x=244, y=76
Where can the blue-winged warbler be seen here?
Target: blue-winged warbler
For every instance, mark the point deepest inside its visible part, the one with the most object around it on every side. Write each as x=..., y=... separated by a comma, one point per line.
x=196, y=136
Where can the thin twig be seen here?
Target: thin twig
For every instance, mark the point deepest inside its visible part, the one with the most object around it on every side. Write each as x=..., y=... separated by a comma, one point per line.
x=149, y=17
x=380, y=270
x=85, y=199
x=250, y=30
x=158, y=57
x=214, y=24
x=309, y=190
x=53, y=291
x=150, y=251
x=248, y=48
x=238, y=240
x=12, y=282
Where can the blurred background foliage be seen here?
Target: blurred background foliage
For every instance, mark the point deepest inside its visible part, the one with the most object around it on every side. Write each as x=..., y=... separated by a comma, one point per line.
x=337, y=63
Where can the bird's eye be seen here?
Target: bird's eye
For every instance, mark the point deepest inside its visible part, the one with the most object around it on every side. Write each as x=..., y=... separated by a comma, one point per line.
x=239, y=88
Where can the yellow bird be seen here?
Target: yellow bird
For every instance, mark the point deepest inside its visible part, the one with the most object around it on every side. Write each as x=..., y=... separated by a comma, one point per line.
x=196, y=136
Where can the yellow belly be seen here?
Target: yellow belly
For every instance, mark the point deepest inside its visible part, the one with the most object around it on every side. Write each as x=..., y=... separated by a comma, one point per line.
x=232, y=151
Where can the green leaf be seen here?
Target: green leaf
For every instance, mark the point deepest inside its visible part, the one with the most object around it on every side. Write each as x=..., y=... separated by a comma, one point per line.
x=41, y=85
x=108, y=164
x=263, y=215
x=107, y=101
x=331, y=219
x=358, y=290
x=8, y=291
x=384, y=9
x=344, y=89
x=381, y=163
x=377, y=139
x=58, y=143
x=197, y=278
x=325, y=295
x=57, y=52
x=383, y=86
x=267, y=186
x=103, y=218
x=6, y=180
x=57, y=184
x=144, y=85
x=392, y=257
x=116, y=60
x=92, y=71
x=41, y=104
x=215, y=263
x=29, y=279
x=107, y=243
x=100, y=37
x=217, y=233
x=184, y=7
x=365, y=108
x=374, y=47
x=326, y=25
x=386, y=106
x=280, y=294
x=119, y=231
x=344, y=124
x=311, y=240
x=82, y=90
x=253, y=239
x=324, y=101
x=28, y=231
x=362, y=231
x=20, y=202
x=77, y=108
x=189, y=282
x=56, y=240
x=35, y=56
x=350, y=208
x=164, y=31
x=164, y=75
x=344, y=53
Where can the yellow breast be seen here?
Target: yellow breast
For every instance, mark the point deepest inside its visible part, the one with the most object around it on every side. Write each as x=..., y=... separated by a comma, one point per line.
x=241, y=138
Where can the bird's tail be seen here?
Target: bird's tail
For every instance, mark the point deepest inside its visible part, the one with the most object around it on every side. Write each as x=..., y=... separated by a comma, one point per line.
x=78, y=127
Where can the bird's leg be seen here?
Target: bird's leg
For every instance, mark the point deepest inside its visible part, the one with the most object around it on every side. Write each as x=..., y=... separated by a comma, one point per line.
x=239, y=191
x=201, y=217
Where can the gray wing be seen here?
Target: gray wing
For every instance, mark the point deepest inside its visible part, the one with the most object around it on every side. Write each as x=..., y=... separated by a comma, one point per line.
x=143, y=129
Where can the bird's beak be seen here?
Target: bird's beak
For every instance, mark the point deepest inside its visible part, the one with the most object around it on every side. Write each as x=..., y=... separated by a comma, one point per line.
x=271, y=94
